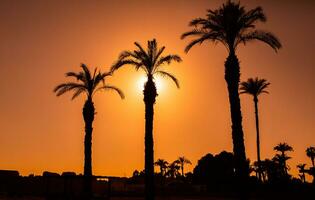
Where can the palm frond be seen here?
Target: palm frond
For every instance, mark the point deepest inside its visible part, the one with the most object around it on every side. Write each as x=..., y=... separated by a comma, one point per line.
x=142, y=51
x=213, y=36
x=198, y=21
x=263, y=36
x=194, y=32
x=86, y=71
x=168, y=59
x=158, y=54
x=168, y=75
x=109, y=87
x=123, y=62
x=66, y=87
x=252, y=16
x=77, y=92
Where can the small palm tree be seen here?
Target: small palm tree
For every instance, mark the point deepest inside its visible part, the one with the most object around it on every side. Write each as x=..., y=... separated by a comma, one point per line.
x=283, y=148
x=255, y=87
x=301, y=168
x=173, y=169
x=150, y=61
x=163, y=165
x=310, y=152
x=232, y=25
x=182, y=161
x=88, y=84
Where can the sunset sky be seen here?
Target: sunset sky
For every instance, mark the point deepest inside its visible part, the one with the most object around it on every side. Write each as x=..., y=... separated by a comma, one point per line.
x=41, y=40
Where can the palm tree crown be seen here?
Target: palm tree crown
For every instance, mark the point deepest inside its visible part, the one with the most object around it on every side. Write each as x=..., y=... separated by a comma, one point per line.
x=282, y=158
x=163, y=164
x=230, y=25
x=87, y=83
x=182, y=161
x=283, y=147
x=254, y=87
x=149, y=60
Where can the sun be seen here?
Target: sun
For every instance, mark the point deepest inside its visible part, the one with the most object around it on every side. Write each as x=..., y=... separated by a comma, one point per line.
x=143, y=78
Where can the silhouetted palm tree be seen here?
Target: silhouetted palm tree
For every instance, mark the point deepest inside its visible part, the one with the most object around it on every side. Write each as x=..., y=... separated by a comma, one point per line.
x=255, y=168
x=255, y=87
x=89, y=84
x=173, y=169
x=182, y=161
x=150, y=61
x=310, y=152
x=232, y=25
x=283, y=148
x=301, y=168
x=163, y=165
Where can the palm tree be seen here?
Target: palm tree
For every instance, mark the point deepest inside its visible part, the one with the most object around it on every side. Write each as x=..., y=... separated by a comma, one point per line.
x=310, y=152
x=87, y=83
x=301, y=168
x=232, y=25
x=255, y=87
x=150, y=61
x=162, y=164
x=182, y=161
x=173, y=169
x=283, y=148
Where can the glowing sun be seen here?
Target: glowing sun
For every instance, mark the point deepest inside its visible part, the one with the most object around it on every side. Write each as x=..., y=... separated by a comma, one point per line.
x=143, y=79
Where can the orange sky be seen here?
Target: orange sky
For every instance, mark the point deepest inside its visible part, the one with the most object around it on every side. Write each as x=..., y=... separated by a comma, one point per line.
x=41, y=40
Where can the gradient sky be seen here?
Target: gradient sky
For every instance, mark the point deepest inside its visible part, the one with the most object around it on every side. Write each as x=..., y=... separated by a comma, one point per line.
x=41, y=40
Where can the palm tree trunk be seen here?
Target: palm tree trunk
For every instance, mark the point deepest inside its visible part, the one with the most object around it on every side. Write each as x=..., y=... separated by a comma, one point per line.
x=88, y=115
x=284, y=163
x=182, y=169
x=257, y=138
x=232, y=77
x=149, y=100
x=303, y=176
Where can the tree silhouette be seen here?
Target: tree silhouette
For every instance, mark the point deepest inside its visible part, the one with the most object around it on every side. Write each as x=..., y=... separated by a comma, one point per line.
x=162, y=164
x=255, y=87
x=282, y=158
x=215, y=171
x=255, y=168
x=150, y=61
x=301, y=168
x=182, y=161
x=272, y=170
x=232, y=25
x=87, y=83
x=310, y=152
x=173, y=168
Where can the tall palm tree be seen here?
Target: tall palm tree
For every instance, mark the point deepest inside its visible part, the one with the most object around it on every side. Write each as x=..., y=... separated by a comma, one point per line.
x=232, y=25
x=283, y=148
x=150, y=61
x=255, y=87
x=310, y=152
x=301, y=168
x=88, y=84
x=162, y=164
x=182, y=161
